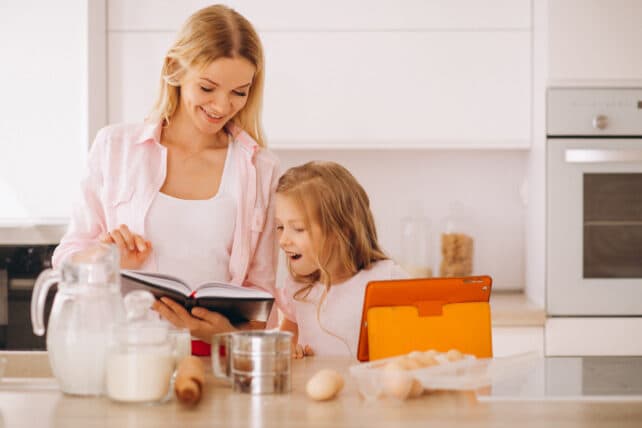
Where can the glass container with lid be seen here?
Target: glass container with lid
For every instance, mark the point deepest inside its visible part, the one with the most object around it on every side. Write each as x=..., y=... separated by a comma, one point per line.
x=416, y=257
x=140, y=362
x=456, y=243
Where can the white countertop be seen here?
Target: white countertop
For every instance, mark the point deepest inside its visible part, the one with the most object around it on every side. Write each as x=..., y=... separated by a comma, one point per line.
x=36, y=232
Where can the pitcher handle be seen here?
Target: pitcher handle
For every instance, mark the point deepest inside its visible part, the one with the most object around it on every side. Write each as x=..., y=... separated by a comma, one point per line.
x=221, y=356
x=45, y=280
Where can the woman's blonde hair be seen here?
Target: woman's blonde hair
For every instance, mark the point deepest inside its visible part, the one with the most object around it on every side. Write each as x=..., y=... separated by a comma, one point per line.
x=209, y=34
x=333, y=199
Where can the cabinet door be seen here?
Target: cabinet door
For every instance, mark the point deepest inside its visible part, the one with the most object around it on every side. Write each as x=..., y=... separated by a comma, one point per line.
x=351, y=90
x=48, y=112
x=595, y=40
x=433, y=74
x=517, y=340
x=327, y=15
x=397, y=90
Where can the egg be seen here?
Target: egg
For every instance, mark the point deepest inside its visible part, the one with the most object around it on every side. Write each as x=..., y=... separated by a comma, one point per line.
x=416, y=389
x=426, y=359
x=396, y=382
x=410, y=363
x=454, y=355
x=324, y=385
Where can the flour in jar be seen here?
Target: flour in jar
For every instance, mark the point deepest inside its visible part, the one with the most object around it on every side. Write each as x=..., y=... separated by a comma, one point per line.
x=139, y=377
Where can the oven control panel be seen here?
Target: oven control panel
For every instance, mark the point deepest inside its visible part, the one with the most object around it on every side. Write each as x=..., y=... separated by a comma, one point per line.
x=574, y=112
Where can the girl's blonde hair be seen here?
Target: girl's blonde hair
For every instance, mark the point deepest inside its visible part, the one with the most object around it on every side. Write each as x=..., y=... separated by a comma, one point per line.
x=209, y=34
x=333, y=199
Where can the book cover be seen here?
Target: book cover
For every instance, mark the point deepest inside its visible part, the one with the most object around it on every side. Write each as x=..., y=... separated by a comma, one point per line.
x=238, y=304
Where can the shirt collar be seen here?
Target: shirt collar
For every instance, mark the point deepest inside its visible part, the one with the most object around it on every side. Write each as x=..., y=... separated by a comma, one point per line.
x=151, y=132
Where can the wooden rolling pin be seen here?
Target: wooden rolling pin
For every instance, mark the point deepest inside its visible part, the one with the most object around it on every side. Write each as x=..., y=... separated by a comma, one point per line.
x=190, y=377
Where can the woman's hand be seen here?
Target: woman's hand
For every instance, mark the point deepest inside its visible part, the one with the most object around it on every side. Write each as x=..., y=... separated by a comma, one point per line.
x=300, y=351
x=134, y=249
x=201, y=323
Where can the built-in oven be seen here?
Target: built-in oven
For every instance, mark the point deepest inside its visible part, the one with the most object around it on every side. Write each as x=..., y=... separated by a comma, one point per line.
x=19, y=268
x=594, y=202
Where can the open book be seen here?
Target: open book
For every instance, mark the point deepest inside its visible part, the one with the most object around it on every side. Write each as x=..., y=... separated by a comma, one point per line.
x=237, y=303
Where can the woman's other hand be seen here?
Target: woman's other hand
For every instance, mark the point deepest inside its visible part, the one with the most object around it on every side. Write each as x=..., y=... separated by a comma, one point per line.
x=201, y=323
x=300, y=351
x=134, y=249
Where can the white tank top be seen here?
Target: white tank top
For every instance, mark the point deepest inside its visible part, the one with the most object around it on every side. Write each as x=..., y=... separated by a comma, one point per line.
x=191, y=238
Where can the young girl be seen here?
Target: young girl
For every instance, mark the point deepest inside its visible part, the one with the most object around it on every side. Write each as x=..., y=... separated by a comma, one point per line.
x=326, y=229
x=189, y=191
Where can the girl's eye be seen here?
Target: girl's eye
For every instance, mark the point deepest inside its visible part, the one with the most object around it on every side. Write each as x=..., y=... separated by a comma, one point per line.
x=279, y=228
x=299, y=230
x=240, y=93
x=204, y=89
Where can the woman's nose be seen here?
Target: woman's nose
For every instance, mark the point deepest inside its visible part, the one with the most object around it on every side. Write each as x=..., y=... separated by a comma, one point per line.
x=221, y=103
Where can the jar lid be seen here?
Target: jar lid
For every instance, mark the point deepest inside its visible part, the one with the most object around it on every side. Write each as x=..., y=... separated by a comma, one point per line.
x=143, y=326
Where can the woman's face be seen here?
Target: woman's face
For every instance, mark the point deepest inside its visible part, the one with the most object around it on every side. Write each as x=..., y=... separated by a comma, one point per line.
x=213, y=95
x=295, y=239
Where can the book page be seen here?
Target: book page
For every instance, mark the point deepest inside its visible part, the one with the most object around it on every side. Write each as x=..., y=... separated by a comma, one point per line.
x=154, y=279
x=230, y=291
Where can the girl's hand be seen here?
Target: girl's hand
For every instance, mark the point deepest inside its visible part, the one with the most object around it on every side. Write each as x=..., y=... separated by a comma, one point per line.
x=134, y=249
x=300, y=351
x=201, y=323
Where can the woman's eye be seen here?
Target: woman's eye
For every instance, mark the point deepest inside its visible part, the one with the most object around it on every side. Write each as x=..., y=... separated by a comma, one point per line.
x=240, y=93
x=299, y=230
x=204, y=89
x=279, y=228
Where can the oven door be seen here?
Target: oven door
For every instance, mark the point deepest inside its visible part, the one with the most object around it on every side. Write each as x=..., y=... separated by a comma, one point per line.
x=594, y=226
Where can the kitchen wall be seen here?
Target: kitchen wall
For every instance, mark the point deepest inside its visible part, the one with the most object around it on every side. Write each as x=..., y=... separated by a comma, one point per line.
x=475, y=100
x=438, y=112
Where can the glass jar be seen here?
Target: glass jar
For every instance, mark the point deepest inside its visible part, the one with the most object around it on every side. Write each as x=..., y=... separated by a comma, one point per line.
x=416, y=257
x=141, y=359
x=456, y=243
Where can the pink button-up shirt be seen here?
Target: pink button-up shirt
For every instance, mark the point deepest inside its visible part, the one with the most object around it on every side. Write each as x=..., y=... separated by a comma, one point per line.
x=126, y=169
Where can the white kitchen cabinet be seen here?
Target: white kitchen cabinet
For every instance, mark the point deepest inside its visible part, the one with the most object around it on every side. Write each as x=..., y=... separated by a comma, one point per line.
x=431, y=74
x=593, y=336
x=329, y=15
x=595, y=41
x=53, y=93
x=508, y=340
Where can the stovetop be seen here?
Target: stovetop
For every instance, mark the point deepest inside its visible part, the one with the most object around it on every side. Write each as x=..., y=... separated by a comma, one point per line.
x=573, y=378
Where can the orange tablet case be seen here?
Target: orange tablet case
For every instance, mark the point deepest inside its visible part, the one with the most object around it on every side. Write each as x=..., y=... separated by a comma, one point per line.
x=400, y=316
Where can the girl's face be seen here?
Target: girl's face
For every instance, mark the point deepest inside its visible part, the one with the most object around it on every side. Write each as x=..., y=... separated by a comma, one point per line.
x=294, y=238
x=213, y=95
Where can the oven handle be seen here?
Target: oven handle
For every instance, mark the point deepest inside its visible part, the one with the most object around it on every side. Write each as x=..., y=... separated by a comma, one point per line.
x=596, y=155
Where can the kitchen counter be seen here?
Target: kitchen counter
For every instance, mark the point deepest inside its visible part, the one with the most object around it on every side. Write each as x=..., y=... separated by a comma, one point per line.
x=514, y=309
x=37, y=402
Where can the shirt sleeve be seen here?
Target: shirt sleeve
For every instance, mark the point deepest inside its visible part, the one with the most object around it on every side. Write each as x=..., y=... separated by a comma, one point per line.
x=87, y=220
x=262, y=268
x=397, y=272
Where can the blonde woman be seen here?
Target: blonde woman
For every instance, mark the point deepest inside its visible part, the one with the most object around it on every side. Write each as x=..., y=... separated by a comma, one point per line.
x=327, y=232
x=189, y=191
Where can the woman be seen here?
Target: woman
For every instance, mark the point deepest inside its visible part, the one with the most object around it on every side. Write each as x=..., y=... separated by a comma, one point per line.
x=189, y=191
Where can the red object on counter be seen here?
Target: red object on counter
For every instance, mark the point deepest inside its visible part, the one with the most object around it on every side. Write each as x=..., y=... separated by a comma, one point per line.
x=200, y=348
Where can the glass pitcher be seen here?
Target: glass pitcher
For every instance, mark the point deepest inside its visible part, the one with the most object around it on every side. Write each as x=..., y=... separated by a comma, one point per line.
x=86, y=307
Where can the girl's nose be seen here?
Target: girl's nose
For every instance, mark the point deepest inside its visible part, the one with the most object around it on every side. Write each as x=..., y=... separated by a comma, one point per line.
x=283, y=240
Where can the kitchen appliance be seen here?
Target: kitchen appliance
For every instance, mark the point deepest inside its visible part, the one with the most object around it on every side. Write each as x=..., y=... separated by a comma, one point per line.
x=594, y=222
x=19, y=267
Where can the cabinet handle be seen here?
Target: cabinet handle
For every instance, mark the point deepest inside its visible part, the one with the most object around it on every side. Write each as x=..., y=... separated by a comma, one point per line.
x=593, y=155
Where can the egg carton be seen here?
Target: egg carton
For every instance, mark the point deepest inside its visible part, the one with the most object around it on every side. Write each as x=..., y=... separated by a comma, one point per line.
x=468, y=373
